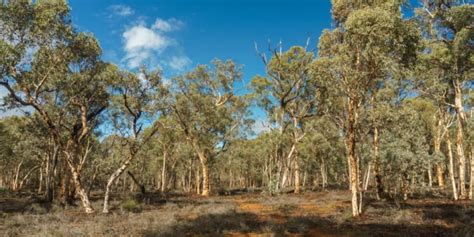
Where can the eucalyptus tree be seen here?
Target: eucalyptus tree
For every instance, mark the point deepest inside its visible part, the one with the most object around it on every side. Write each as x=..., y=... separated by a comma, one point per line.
x=371, y=42
x=58, y=73
x=290, y=94
x=448, y=26
x=208, y=111
x=137, y=100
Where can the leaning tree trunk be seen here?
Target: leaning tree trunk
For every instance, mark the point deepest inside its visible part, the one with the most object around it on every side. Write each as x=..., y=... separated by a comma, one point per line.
x=111, y=181
x=79, y=189
x=351, y=142
x=461, y=117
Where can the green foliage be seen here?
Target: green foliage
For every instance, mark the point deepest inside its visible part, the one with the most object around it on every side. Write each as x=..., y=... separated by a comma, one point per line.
x=130, y=205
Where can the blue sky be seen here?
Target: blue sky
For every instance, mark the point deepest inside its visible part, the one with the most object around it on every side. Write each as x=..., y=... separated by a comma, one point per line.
x=182, y=34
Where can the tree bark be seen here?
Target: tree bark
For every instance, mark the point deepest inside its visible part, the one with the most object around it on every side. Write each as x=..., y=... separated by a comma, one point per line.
x=297, y=174
x=451, y=165
x=111, y=181
x=351, y=143
x=80, y=190
x=437, y=151
x=461, y=118
x=471, y=187
x=376, y=154
x=163, y=172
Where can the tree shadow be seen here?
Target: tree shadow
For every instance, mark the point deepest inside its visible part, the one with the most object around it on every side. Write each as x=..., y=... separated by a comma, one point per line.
x=244, y=223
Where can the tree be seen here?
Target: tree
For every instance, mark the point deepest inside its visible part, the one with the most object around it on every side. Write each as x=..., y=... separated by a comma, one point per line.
x=57, y=72
x=449, y=29
x=290, y=94
x=372, y=42
x=138, y=99
x=208, y=111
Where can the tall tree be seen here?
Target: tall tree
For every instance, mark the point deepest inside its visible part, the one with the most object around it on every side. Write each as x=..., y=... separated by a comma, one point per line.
x=449, y=27
x=371, y=42
x=208, y=110
x=57, y=72
x=289, y=93
x=138, y=99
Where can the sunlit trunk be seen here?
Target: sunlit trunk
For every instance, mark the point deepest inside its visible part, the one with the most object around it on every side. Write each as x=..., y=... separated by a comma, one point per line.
x=163, y=172
x=461, y=118
x=451, y=165
x=437, y=151
x=111, y=181
x=351, y=145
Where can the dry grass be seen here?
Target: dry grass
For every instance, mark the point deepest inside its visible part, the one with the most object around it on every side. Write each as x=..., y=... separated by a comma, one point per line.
x=308, y=214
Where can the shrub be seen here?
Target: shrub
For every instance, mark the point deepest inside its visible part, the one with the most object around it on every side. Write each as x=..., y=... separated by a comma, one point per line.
x=131, y=205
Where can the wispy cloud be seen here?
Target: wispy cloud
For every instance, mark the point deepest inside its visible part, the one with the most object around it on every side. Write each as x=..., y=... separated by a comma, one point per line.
x=121, y=10
x=171, y=24
x=179, y=63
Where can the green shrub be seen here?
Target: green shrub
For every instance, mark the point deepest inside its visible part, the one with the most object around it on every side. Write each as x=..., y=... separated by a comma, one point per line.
x=130, y=205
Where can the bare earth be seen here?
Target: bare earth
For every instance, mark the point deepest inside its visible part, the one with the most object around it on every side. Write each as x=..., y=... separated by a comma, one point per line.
x=325, y=213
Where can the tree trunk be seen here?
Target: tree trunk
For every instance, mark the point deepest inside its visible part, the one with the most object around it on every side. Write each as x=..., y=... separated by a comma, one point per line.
x=375, y=152
x=111, y=181
x=138, y=184
x=351, y=142
x=471, y=187
x=297, y=174
x=437, y=151
x=451, y=165
x=163, y=172
x=205, y=178
x=461, y=118
x=198, y=179
x=80, y=190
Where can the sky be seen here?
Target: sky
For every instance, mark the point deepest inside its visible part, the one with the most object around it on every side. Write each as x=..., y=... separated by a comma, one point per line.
x=177, y=35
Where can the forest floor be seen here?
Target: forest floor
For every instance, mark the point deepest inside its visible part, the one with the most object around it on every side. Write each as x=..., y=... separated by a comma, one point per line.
x=324, y=213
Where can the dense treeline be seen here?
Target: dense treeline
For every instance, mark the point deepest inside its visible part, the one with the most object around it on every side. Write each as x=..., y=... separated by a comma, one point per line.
x=383, y=105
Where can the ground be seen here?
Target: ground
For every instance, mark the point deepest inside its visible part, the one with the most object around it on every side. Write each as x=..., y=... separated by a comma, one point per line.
x=324, y=213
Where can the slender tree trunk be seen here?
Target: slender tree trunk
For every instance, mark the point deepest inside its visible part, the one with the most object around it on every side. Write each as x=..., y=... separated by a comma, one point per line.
x=138, y=184
x=461, y=118
x=375, y=152
x=198, y=179
x=471, y=187
x=111, y=181
x=430, y=175
x=437, y=151
x=25, y=178
x=163, y=172
x=297, y=174
x=451, y=165
x=351, y=143
x=17, y=177
x=323, y=174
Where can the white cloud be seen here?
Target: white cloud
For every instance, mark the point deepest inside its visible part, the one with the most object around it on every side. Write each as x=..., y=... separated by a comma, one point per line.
x=121, y=10
x=147, y=44
x=141, y=43
x=171, y=24
x=179, y=63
